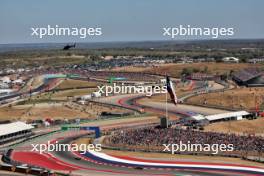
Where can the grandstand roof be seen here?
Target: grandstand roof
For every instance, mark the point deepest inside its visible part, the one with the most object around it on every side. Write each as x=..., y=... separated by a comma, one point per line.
x=14, y=127
x=226, y=115
x=247, y=74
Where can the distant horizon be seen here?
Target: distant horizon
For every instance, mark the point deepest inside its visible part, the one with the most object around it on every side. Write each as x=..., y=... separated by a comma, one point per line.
x=156, y=44
x=134, y=41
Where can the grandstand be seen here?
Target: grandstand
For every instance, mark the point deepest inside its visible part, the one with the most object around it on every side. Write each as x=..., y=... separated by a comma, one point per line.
x=250, y=77
x=13, y=131
x=201, y=76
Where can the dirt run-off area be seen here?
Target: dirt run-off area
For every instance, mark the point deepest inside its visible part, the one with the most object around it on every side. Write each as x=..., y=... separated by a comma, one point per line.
x=239, y=98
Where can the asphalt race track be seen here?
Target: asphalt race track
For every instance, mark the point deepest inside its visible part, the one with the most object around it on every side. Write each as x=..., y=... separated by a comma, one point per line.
x=91, y=164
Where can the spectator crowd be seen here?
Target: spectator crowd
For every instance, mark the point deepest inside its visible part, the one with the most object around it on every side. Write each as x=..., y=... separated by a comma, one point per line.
x=154, y=137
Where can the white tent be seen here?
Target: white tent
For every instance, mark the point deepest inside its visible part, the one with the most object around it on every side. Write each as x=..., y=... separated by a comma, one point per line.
x=238, y=115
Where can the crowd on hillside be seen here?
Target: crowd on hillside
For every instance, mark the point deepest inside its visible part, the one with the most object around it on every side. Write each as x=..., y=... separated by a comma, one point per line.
x=151, y=136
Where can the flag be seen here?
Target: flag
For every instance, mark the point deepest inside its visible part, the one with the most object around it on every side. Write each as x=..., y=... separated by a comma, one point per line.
x=171, y=90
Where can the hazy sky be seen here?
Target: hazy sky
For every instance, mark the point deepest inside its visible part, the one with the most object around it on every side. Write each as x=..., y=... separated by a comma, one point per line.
x=127, y=20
